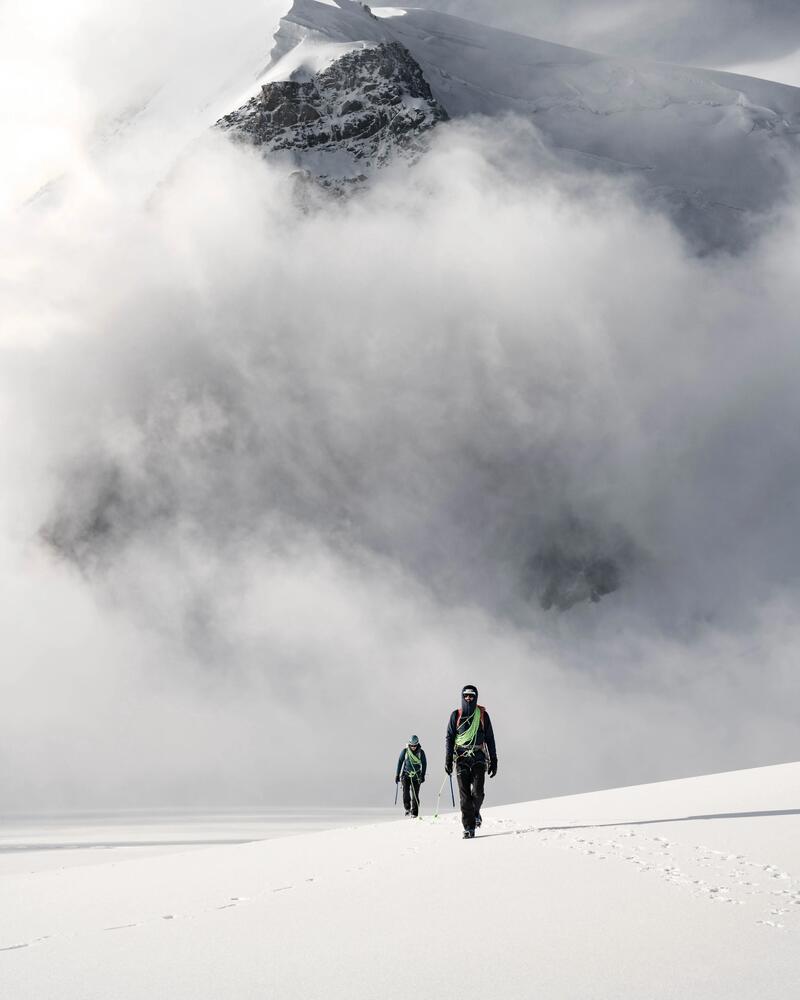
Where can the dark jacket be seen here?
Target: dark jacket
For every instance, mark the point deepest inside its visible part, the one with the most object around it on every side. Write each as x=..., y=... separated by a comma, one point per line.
x=484, y=741
x=404, y=765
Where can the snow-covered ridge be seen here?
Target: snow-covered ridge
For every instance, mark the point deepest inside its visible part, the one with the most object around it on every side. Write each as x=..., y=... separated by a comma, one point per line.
x=704, y=143
x=323, y=23
x=505, y=67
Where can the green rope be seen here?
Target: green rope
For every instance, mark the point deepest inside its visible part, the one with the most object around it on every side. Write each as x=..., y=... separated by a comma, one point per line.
x=416, y=762
x=438, y=797
x=416, y=799
x=467, y=739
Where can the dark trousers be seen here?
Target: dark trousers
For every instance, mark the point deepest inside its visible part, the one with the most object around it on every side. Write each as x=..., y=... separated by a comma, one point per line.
x=471, y=776
x=411, y=794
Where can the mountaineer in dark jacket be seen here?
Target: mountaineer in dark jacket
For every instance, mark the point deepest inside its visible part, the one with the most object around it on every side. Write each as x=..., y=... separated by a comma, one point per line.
x=470, y=743
x=411, y=766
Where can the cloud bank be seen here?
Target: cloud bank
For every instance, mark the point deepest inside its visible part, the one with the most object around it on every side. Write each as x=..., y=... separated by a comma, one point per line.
x=279, y=479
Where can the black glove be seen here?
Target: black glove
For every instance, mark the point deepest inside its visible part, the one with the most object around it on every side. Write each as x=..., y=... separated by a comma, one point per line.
x=397, y=779
x=448, y=767
x=492, y=768
x=422, y=781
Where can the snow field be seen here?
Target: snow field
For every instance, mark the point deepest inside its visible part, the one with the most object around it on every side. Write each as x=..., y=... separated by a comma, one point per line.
x=686, y=888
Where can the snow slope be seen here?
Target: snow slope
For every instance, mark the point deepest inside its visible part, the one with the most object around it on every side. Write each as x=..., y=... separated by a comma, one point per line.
x=698, y=139
x=682, y=889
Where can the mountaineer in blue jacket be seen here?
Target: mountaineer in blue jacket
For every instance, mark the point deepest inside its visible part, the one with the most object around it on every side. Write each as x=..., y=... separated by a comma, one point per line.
x=411, y=767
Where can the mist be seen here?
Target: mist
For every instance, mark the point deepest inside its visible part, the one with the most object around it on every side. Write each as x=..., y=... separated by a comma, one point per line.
x=714, y=34
x=280, y=477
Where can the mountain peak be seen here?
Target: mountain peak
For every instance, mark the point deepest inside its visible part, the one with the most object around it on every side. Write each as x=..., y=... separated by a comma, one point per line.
x=673, y=131
x=339, y=122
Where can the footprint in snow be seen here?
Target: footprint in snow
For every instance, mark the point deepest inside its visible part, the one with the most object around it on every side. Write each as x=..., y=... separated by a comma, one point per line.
x=730, y=883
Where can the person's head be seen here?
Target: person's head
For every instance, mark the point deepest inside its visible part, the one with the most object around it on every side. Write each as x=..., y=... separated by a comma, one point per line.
x=469, y=698
x=413, y=743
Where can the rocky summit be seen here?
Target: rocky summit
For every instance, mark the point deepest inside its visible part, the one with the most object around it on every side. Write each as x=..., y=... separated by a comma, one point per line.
x=346, y=119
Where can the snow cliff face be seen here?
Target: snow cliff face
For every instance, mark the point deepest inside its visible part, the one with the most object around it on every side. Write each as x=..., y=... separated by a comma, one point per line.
x=709, y=148
x=350, y=117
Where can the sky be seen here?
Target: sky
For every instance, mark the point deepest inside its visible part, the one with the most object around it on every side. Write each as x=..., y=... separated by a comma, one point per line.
x=278, y=483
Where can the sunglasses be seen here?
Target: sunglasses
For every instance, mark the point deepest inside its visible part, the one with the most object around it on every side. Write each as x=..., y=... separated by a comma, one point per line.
x=469, y=695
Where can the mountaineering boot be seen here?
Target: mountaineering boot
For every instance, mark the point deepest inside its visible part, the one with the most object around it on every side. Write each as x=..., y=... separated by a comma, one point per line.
x=478, y=819
x=469, y=834
x=408, y=812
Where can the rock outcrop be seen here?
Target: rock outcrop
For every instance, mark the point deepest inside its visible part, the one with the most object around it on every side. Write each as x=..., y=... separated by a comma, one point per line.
x=349, y=118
